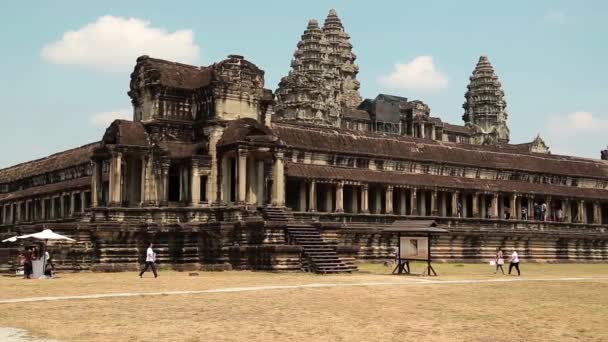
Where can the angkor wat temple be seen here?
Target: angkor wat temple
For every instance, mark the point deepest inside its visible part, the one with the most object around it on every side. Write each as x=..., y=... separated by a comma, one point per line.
x=220, y=172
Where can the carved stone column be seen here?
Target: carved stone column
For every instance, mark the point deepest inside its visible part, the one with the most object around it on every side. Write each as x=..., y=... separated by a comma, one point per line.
x=495, y=213
x=195, y=184
x=455, y=196
x=83, y=202
x=278, y=184
x=434, y=209
x=422, y=132
x=475, y=204
x=95, y=183
x=549, y=212
x=582, y=213
x=4, y=214
x=597, y=213
x=513, y=206
x=53, y=209
x=388, y=199
x=422, y=206
x=165, y=182
x=312, y=196
x=115, y=175
x=72, y=203
x=402, y=202
x=260, y=194
x=340, y=197
x=365, y=199
x=242, y=176
x=567, y=210
x=302, y=196
x=413, y=202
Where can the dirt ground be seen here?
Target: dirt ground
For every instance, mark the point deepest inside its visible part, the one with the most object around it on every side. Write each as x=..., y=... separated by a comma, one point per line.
x=412, y=308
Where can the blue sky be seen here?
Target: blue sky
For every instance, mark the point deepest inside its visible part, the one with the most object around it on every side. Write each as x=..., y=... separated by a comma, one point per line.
x=58, y=90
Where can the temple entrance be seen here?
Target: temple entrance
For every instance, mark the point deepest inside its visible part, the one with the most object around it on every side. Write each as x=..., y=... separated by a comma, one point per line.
x=604, y=210
x=173, y=195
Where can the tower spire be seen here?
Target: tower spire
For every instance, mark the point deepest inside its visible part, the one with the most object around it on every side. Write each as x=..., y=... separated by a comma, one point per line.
x=323, y=77
x=484, y=107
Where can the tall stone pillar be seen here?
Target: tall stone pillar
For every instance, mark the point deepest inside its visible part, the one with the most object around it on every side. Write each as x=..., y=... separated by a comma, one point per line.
x=115, y=175
x=495, y=213
x=195, y=184
x=483, y=204
x=422, y=203
x=434, y=210
x=4, y=214
x=144, y=193
x=53, y=209
x=402, y=202
x=513, y=205
x=278, y=184
x=260, y=183
x=475, y=204
x=312, y=196
x=72, y=203
x=597, y=213
x=83, y=202
x=567, y=210
x=242, y=176
x=340, y=197
x=465, y=205
x=365, y=199
x=302, y=196
x=455, y=196
x=388, y=198
x=252, y=181
x=95, y=183
x=414, y=202
x=27, y=211
x=422, y=133
x=165, y=182
x=433, y=134
x=329, y=198
x=355, y=200
x=550, y=211
x=61, y=205
x=582, y=213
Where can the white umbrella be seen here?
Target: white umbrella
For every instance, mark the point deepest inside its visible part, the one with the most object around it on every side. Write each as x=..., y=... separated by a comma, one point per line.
x=45, y=235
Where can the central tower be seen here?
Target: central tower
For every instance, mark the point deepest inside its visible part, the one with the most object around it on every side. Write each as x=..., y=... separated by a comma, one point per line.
x=322, y=81
x=484, y=108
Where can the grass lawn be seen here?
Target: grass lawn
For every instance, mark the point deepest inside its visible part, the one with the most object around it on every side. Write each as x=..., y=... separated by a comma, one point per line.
x=410, y=309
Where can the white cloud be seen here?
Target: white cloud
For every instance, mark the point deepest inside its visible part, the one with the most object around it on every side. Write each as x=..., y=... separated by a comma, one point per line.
x=104, y=119
x=420, y=74
x=113, y=44
x=579, y=133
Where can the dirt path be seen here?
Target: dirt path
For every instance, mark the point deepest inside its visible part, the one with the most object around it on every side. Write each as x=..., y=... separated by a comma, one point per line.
x=404, y=282
x=18, y=335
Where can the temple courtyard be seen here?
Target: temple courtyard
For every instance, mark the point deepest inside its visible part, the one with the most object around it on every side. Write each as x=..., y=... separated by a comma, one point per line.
x=466, y=302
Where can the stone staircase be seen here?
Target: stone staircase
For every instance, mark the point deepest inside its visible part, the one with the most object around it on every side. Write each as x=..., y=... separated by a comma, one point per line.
x=279, y=214
x=319, y=256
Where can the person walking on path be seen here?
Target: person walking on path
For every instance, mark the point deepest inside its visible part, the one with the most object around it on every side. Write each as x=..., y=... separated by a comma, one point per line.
x=514, y=262
x=499, y=260
x=150, y=260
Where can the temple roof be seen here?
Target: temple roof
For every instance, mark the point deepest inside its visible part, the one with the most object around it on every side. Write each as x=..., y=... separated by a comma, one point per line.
x=408, y=148
x=125, y=132
x=243, y=129
x=172, y=74
x=82, y=182
x=425, y=180
x=57, y=161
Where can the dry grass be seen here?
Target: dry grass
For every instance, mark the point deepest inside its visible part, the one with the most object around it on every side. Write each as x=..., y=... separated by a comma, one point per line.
x=459, y=312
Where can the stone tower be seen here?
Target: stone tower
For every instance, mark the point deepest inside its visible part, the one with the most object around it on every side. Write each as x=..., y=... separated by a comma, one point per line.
x=323, y=77
x=484, y=108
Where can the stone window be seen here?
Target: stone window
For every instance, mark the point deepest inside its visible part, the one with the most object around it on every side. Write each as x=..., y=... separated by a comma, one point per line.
x=363, y=163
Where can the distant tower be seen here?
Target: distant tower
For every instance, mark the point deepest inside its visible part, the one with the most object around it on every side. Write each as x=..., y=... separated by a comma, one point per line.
x=323, y=77
x=485, y=105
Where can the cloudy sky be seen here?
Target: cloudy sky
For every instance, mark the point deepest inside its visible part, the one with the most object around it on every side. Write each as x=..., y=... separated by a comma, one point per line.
x=65, y=65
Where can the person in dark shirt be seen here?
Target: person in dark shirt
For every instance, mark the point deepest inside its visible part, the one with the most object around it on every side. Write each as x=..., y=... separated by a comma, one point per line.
x=27, y=263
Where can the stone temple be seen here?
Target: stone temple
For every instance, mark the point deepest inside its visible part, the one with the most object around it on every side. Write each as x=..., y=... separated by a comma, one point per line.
x=220, y=172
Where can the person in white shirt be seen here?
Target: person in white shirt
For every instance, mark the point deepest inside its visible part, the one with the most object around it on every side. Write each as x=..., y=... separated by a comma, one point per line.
x=150, y=259
x=514, y=262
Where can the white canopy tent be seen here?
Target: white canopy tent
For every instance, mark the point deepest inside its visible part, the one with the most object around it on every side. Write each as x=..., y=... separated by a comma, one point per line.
x=45, y=236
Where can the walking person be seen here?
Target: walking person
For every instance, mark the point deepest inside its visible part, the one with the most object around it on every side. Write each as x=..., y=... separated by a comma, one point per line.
x=499, y=260
x=514, y=262
x=150, y=260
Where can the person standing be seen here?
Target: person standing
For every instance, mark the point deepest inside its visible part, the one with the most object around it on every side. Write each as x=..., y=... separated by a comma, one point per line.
x=150, y=260
x=27, y=263
x=524, y=213
x=514, y=262
x=543, y=212
x=459, y=209
x=499, y=260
